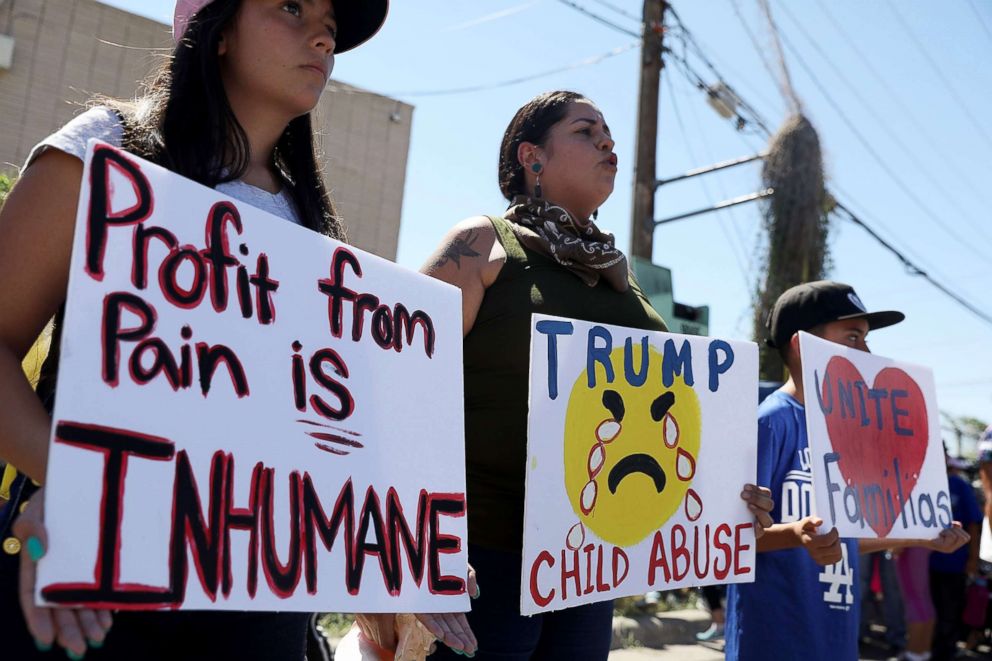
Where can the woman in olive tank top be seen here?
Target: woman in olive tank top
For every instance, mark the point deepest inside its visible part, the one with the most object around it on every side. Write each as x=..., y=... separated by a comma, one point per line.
x=544, y=255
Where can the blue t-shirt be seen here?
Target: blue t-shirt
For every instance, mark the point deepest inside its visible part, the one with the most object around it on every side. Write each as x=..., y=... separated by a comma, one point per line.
x=795, y=609
x=964, y=507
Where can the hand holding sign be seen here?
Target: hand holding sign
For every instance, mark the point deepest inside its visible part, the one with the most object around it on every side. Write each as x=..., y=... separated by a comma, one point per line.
x=71, y=628
x=823, y=548
x=633, y=440
x=949, y=540
x=237, y=422
x=760, y=504
x=873, y=431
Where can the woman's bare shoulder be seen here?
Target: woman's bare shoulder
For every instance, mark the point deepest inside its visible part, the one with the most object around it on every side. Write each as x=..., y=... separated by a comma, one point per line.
x=470, y=244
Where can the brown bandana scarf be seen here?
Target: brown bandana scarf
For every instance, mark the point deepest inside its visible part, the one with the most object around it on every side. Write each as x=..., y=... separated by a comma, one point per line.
x=583, y=249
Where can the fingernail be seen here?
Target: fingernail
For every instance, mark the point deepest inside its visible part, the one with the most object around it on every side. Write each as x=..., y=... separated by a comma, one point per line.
x=36, y=550
x=95, y=644
x=42, y=647
x=478, y=591
x=75, y=657
x=458, y=652
x=748, y=487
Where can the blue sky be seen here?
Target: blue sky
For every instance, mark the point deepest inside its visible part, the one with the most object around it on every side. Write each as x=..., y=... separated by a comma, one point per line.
x=911, y=152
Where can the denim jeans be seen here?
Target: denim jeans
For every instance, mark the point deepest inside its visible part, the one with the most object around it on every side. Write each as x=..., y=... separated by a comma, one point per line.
x=580, y=633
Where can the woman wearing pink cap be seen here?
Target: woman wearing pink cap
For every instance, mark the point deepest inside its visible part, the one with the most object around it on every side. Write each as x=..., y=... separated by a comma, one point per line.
x=231, y=110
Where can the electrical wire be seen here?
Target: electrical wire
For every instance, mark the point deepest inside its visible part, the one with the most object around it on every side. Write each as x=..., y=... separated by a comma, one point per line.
x=911, y=266
x=735, y=223
x=981, y=19
x=754, y=42
x=909, y=192
x=589, y=61
x=941, y=76
x=785, y=84
x=598, y=18
x=699, y=46
x=752, y=256
x=706, y=191
x=745, y=115
x=907, y=109
x=694, y=78
x=750, y=116
x=618, y=10
x=883, y=124
x=878, y=223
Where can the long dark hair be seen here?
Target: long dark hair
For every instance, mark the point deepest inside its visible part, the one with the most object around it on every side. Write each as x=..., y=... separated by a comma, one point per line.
x=531, y=124
x=185, y=123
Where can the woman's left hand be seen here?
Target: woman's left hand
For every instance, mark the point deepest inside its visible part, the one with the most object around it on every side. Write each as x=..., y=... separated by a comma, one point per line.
x=759, y=501
x=453, y=629
x=72, y=628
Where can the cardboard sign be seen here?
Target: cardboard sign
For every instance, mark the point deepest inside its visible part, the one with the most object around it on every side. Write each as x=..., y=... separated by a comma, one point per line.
x=638, y=446
x=249, y=415
x=874, y=438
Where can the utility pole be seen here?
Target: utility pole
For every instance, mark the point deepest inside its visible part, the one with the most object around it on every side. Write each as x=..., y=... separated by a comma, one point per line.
x=645, y=176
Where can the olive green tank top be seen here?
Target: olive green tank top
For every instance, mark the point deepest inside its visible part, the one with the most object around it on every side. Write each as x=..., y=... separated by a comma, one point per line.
x=497, y=362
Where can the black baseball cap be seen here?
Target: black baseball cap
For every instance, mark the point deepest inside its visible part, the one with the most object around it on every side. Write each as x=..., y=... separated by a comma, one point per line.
x=357, y=20
x=810, y=304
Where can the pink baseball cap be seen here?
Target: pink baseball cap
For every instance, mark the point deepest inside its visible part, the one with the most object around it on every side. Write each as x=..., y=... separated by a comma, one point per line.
x=358, y=20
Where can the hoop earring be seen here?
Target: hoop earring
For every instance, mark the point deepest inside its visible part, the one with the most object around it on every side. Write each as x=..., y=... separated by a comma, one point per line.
x=536, y=168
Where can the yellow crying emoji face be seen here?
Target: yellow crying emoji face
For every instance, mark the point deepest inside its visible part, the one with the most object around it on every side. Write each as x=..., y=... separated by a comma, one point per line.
x=630, y=452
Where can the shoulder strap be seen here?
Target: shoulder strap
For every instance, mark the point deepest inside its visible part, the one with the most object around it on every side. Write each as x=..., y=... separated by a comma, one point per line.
x=516, y=254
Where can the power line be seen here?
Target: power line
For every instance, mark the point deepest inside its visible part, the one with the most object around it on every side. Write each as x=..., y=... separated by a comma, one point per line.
x=788, y=91
x=598, y=18
x=689, y=42
x=618, y=10
x=878, y=159
x=735, y=223
x=907, y=109
x=694, y=78
x=911, y=267
x=701, y=47
x=878, y=223
x=881, y=122
x=685, y=38
x=752, y=256
x=908, y=258
x=754, y=42
x=589, y=61
x=981, y=19
x=940, y=76
x=706, y=190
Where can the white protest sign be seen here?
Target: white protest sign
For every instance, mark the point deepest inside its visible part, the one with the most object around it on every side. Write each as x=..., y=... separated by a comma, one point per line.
x=874, y=438
x=249, y=415
x=638, y=446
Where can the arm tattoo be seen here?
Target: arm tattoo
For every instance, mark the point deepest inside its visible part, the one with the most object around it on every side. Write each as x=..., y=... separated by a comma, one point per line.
x=459, y=248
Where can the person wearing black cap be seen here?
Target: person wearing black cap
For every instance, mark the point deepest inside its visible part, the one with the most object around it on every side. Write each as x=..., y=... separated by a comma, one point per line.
x=230, y=109
x=804, y=601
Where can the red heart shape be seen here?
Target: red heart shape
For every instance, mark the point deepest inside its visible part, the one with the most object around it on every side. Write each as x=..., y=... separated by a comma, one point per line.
x=869, y=429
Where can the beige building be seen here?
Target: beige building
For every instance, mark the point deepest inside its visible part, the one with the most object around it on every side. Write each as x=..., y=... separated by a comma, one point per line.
x=55, y=54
